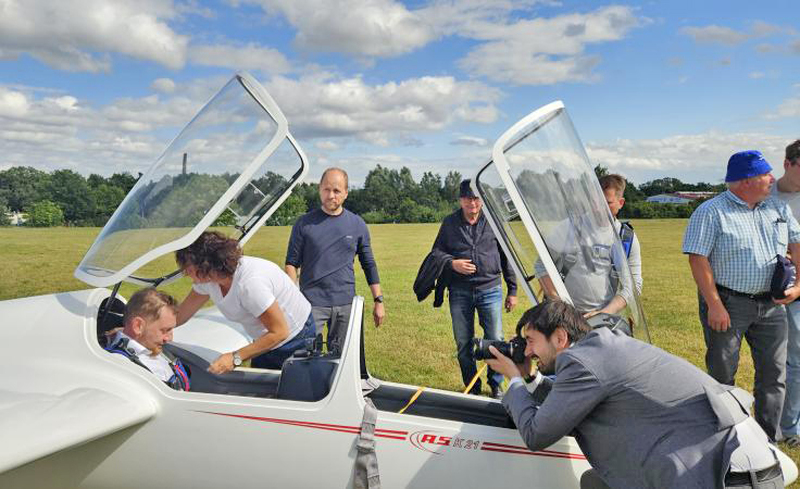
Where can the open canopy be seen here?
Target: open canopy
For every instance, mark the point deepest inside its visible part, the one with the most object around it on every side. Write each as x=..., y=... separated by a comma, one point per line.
x=544, y=201
x=233, y=164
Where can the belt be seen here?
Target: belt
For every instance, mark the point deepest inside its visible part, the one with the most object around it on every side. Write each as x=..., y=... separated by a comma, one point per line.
x=761, y=296
x=743, y=478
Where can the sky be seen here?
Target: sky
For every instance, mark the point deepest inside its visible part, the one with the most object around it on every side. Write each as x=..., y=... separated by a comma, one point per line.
x=654, y=89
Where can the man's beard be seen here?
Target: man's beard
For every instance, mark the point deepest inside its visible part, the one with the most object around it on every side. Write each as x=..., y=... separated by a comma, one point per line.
x=157, y=349
x=546, y=369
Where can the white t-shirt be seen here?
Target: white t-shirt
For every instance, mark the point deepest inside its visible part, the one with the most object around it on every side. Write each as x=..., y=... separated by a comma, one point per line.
x=256, y=285
x=158, y=364
x=791, y=198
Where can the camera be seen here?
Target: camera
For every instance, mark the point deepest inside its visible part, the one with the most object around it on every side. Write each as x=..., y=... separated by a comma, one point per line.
x=514, y=349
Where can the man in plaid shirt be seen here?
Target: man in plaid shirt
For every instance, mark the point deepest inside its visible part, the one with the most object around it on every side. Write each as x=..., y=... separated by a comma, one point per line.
x=732, y=241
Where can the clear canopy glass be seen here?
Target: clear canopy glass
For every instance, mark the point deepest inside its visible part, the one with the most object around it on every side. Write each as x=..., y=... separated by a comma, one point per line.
x=542, y=193
x=229, y=166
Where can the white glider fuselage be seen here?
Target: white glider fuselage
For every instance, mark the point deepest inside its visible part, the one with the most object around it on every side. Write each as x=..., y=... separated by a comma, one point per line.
x=148, y=435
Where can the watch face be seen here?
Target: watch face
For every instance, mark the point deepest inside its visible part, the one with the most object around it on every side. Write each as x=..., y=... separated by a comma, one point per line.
x=237, y=360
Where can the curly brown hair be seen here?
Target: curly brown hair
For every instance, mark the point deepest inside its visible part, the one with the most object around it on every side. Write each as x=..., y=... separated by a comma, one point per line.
x=211, y=252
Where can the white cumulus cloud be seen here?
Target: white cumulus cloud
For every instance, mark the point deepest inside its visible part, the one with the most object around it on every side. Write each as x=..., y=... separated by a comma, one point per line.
x=78, y=35
x=358, y=27
x=323, y=105
x=240, y=57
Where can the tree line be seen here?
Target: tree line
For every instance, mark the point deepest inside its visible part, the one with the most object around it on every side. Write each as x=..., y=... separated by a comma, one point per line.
x=65, y=197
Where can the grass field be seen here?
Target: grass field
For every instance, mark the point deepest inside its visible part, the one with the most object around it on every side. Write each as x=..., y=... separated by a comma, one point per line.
x=415, y=345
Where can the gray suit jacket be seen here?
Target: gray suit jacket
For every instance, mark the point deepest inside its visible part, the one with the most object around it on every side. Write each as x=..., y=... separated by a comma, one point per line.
x=641, y=416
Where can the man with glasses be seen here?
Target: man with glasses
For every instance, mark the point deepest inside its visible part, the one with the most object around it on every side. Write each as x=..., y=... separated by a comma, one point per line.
x=477, y=260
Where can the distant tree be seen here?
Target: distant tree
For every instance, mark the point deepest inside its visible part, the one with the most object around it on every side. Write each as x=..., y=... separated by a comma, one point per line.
x=5, y=218
x=600, y=171
x=106, y=198
x=21, y=186
x=451, y=184
x=293, y=207
x=125, y=181
x=45, y=213
x=632, y=193
x=227, y=218
x=666, y=185
x=70, y=191
x=429, y=191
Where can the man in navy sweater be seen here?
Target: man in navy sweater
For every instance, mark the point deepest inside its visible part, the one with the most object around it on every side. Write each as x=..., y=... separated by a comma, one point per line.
x=322, y=247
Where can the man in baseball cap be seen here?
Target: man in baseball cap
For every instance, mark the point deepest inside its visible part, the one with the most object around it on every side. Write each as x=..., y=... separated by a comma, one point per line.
x=732, y=241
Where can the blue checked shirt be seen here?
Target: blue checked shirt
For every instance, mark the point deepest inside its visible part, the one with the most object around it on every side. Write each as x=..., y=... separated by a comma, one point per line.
x=739, y=242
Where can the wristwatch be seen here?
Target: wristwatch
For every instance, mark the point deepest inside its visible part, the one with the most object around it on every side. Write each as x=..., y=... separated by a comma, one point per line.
x=237, y=360
x=379, y=299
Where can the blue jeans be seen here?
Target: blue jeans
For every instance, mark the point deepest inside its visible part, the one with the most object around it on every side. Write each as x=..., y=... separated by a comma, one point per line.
x=489, y=304
x=274, y=358
x=790, y=419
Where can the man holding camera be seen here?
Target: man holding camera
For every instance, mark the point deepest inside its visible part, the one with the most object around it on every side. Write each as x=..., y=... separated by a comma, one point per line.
x=642, y=417
x=474, y=254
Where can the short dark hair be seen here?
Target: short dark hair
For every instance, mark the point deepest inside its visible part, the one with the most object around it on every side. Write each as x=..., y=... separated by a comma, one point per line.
x=147, y=304
x=793, y=152
x=333, y=168
x=212, y=251
x=612, y=180
x=551, y=314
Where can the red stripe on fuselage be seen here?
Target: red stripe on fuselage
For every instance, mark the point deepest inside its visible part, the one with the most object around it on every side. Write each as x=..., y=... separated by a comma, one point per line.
x=500, y=447
x=400, y=435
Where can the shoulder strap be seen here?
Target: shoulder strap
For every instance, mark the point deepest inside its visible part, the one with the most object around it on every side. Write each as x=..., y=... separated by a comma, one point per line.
x=366, y=470
x=626, y=236
x=120, y=347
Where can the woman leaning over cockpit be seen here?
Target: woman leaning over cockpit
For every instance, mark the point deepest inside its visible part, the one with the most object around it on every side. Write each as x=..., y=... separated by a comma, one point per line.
x=251, y=291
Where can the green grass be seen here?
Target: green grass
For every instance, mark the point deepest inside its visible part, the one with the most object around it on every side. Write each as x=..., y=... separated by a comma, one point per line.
x=415, y=345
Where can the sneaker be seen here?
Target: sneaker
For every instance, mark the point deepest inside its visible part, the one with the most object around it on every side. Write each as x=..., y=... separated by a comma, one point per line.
x=792, y=441
x=497, y=392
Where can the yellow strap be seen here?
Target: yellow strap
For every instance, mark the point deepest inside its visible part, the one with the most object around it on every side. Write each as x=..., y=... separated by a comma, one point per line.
x=419, y=391
x=413, y=398
x=475, y=379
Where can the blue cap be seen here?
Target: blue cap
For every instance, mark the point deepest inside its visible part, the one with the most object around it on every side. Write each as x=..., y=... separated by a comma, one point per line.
x=746, y=164
x=465, y=190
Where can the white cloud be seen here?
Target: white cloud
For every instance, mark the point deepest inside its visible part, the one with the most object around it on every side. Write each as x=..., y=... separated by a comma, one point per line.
x=78, y=35
x=470, y=141
x=325, y=106
x=326, y=145
x=164, y=85
x=787, y=109
x=545, y=51
x=240, y=57
x=755, y=75
x=12, y=103
x=54, y=130
x=692, y=157
x=714, y=34
x=358, y=27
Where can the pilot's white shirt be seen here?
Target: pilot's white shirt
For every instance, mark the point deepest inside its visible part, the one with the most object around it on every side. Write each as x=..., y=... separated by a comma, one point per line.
x=158, y=364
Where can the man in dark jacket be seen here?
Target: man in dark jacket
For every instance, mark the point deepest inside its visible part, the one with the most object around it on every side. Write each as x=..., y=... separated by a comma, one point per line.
x=476, y=261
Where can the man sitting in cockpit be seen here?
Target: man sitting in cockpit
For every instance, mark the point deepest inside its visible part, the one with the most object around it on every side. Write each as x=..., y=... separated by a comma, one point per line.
x=147, y=326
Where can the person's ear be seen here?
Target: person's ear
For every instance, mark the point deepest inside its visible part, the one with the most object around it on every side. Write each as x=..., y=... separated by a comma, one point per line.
x=621, y=201
x=137, y=325
x=562, y=338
